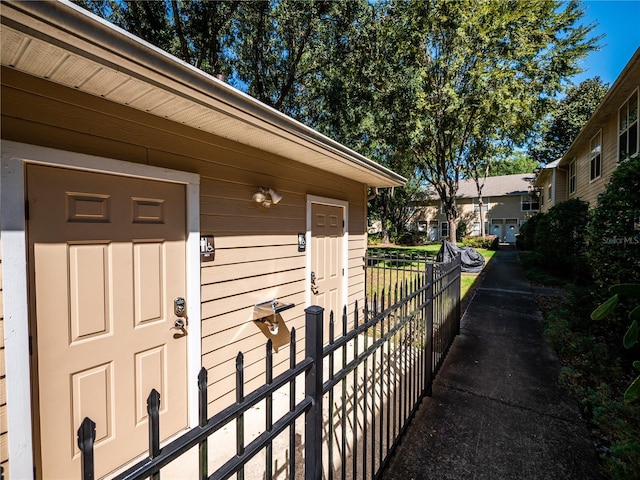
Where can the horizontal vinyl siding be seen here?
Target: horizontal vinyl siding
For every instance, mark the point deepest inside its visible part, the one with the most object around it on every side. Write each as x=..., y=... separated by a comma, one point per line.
x=547, y=200
x=561, y=186
x=256, y=249
x=586, y=189
x=507, y=206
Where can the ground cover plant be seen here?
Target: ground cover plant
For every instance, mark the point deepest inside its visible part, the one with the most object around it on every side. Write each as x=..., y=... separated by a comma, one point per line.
x=589, y=331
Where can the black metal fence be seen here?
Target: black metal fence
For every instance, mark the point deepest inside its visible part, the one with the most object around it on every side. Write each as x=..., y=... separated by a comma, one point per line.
x=361, y=389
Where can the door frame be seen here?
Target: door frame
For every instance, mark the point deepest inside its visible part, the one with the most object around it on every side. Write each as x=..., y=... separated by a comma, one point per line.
x=14, y=158
x=311, y=199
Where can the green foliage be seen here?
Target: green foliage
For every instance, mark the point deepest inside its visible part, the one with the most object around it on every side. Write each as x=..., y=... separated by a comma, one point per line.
x=461, y=230
x=568, y=116
x=489, y=242
x=482, y=73
x=410, y=238
x=516, y=162
x=614, y=231
x=528, y=232
x=598, y=344
x=594, y=371
x=560, y=236
x=630, y=339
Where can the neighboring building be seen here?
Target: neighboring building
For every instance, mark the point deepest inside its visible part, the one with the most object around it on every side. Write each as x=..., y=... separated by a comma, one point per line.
x=608, y=136
x=130, y=179
x=508, y=200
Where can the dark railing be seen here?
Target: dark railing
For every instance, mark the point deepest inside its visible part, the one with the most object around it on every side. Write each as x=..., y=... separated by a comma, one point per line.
x=361, y=389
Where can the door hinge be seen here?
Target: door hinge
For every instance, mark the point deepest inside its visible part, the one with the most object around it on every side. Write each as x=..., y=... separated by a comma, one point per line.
x=30, y=346
x=26, y=210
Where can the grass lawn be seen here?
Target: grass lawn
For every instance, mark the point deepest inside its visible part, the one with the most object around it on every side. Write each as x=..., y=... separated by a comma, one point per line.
x=468, y=280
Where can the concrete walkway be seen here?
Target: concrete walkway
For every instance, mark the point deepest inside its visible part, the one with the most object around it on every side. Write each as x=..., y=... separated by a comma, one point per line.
x=497, y=411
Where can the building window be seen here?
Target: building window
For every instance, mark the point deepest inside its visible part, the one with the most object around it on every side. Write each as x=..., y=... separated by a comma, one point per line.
x=628, y=128
x=595, y=155
x=486, y=202
x=529, y=203
x=476, y=231
x=549, y=192
x=444, y=229
x=572, y=177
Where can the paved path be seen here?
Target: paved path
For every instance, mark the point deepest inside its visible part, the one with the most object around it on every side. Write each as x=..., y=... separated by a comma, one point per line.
x=497, y=411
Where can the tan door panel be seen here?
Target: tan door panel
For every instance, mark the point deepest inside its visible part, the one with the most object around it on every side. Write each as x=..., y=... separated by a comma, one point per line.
x=326, y=259
x=107, y=255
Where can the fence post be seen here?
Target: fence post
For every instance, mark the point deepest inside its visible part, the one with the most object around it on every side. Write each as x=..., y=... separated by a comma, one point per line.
x=86, y=438
x=457, y=291
x=313, y=386
x=202, y=422
x=429, y=311
x=153, y=409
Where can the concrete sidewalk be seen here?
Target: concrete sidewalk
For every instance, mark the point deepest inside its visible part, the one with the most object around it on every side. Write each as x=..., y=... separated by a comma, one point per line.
x=497, y=411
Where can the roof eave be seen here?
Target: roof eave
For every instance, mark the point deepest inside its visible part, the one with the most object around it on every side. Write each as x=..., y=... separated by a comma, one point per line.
x=608, y=106
x=66, y=25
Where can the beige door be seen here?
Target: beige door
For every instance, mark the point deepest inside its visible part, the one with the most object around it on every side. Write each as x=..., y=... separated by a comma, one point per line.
x=327, y=232
x=107, y=259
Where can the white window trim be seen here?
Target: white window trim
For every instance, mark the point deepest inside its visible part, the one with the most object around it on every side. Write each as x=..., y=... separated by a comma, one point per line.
x=311, y=199
x=637, y=93
x=592, y=156
x=530, y=196
x=446, y=222
x=15, y=156
x=486, y=203
x=575, y=177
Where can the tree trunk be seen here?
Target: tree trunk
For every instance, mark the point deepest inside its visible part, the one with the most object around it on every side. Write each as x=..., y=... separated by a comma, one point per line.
x=481, y=205
x=453, y=226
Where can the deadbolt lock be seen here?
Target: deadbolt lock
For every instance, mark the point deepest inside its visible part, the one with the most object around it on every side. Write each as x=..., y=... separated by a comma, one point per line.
x=180, y=307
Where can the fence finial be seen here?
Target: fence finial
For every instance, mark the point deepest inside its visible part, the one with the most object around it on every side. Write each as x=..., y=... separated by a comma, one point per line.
x=86, y=439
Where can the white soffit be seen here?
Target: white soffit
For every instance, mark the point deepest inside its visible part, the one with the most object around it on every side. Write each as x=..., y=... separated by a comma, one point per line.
x=62, y=43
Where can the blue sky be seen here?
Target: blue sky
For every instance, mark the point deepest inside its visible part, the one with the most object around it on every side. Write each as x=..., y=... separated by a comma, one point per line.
x=619, y=21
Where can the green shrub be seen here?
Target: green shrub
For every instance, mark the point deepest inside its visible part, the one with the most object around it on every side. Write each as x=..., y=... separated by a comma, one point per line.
x=462, y=230
x=374, y=239
x=614, y=229
x=490, y=242
x=410, y=238
x=561, y=236
x=528, y=232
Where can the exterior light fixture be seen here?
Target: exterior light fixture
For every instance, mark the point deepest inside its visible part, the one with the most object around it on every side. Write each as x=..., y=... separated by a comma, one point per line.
x=266, y=197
